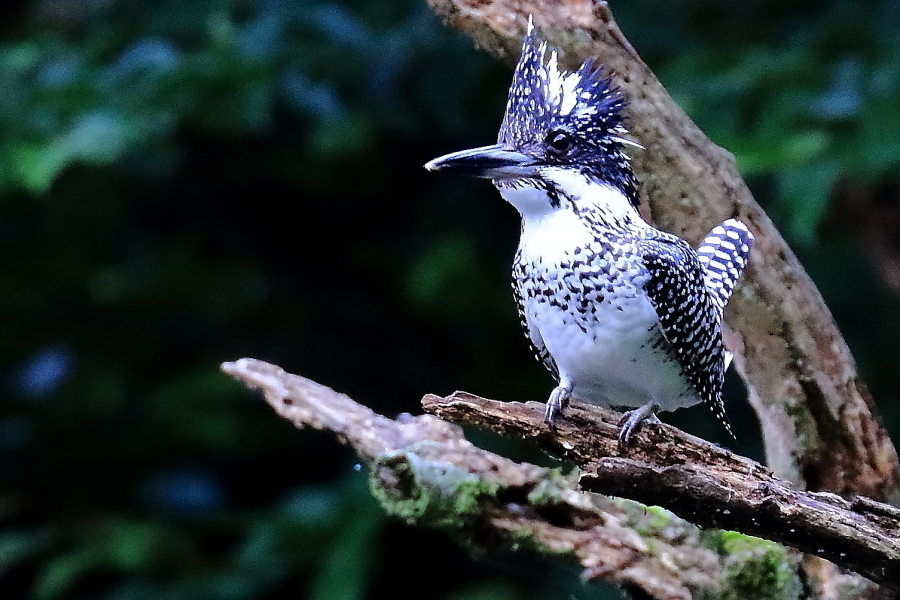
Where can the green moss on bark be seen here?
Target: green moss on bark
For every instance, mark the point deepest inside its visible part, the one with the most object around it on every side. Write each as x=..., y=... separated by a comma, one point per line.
x=755, y=568
x=425, y=492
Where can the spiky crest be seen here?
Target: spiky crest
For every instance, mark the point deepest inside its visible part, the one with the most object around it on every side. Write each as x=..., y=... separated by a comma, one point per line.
x=583, y=103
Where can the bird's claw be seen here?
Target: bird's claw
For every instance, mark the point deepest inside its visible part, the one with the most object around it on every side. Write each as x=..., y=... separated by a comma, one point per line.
x=631, y=421
x=556, y=404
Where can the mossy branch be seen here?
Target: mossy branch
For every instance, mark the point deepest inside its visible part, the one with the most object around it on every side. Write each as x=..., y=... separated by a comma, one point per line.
x=424, y=471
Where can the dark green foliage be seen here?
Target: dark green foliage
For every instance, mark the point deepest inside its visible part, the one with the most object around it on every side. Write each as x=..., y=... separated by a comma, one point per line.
x=183, y=183
x=803, y=95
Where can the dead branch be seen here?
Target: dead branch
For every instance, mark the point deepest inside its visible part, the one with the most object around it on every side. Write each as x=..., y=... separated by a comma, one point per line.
x=698, y=481
x=817, y=417
x=425, y=471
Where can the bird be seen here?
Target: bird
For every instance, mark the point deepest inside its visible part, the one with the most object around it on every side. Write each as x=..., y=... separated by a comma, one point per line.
x=622, y=314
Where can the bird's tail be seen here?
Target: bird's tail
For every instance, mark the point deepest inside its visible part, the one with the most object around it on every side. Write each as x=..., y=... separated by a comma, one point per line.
x=723, y=255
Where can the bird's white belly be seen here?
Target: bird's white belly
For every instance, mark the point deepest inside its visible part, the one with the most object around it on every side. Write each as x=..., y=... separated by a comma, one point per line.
x=615, y=358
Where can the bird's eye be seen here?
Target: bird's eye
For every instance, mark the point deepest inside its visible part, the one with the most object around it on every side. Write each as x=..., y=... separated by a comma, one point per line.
x=558, y=141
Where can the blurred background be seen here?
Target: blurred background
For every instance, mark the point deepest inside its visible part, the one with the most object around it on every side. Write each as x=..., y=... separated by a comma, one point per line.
x=188, y=182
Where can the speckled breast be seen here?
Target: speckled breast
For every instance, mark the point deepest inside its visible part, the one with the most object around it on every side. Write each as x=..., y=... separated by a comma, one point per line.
x=600, y=328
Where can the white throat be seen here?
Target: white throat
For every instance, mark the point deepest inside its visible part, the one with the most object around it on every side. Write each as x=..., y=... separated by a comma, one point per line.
x=586, y=194
x=549, y=232
x=551, y=238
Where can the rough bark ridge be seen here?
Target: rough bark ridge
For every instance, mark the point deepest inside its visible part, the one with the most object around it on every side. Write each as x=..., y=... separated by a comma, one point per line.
x=817, y=418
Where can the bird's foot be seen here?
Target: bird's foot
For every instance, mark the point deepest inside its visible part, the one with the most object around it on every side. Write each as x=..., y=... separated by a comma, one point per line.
x=556, y=404
x=631, y=421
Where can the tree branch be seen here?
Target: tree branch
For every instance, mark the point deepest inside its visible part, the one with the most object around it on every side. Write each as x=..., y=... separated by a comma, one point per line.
x=423, y=470
x=817, y=417
x=697, y=481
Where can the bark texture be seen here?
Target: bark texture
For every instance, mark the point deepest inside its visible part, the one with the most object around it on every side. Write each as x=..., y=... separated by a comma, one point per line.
x=818, y=420
x=423, y=470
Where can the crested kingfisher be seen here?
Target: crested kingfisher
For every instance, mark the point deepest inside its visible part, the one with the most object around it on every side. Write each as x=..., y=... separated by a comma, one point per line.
x=622, y=314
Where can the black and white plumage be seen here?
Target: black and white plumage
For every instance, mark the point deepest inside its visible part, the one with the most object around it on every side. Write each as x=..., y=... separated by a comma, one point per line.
x=621, y=313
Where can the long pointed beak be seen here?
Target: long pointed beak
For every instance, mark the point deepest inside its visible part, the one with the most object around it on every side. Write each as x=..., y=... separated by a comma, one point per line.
x=490, y=162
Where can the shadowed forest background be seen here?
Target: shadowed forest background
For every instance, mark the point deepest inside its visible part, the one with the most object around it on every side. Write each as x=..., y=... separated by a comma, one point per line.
x=188, y=182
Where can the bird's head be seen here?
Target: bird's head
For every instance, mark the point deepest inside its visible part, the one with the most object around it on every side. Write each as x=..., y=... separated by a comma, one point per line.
x=562, y=130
